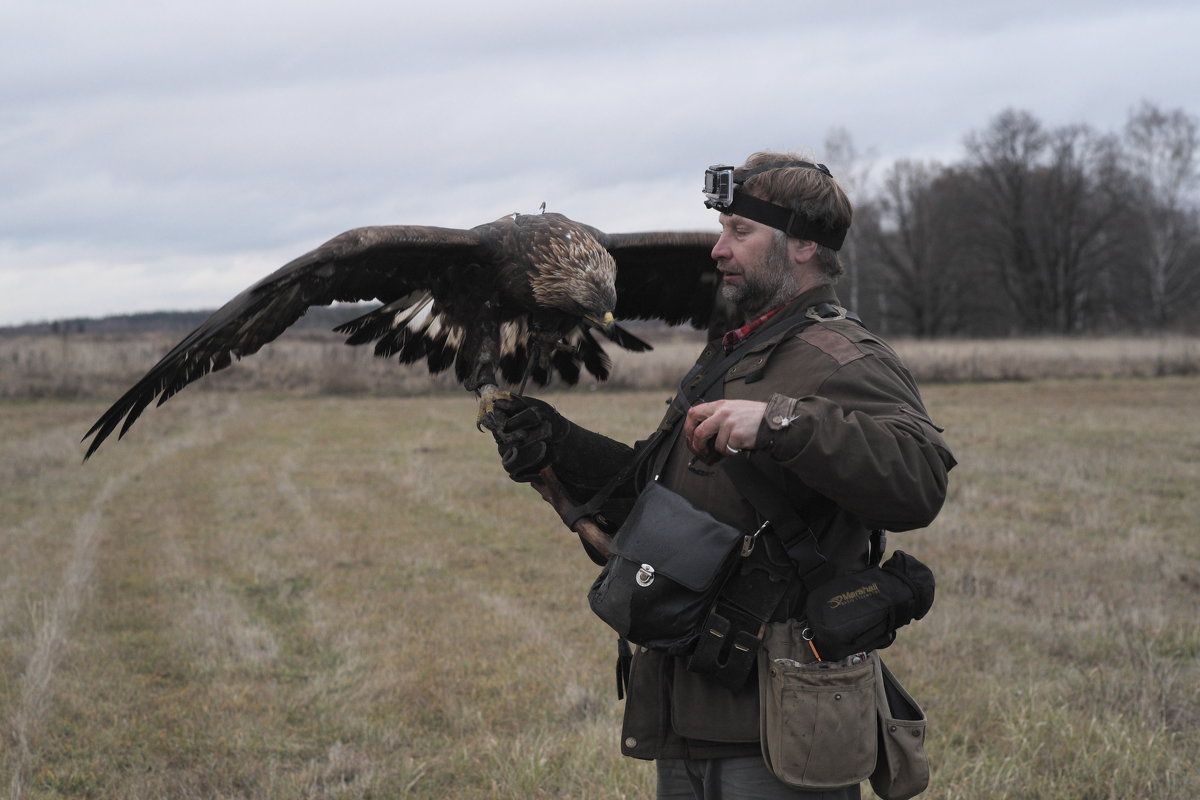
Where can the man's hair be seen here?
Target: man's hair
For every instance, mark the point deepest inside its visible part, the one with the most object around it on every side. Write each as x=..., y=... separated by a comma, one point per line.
x=809, y=192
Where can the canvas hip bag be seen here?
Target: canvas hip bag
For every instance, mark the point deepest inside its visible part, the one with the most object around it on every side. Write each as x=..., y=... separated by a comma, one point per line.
x=830, y=724
x=817, y=719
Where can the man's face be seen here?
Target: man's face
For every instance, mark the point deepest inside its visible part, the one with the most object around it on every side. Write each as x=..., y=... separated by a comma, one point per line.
x=756, y=272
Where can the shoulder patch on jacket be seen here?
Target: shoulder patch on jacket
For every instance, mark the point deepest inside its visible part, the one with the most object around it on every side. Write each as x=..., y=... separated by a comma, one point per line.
x=833, y=344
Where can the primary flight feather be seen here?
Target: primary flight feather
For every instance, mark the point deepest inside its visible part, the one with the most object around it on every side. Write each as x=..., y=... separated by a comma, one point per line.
x=514, y=299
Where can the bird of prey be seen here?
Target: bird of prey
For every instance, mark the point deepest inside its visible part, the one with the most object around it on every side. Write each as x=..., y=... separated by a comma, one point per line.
x=514, y=299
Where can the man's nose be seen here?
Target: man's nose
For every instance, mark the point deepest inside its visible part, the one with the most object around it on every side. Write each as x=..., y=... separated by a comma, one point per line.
x=721, y=248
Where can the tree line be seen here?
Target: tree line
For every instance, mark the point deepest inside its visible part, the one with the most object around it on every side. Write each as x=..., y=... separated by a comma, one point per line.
x=1037, y=230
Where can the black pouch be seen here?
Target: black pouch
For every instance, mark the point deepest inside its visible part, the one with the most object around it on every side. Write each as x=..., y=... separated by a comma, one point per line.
x=669, y=561
x=862, y=611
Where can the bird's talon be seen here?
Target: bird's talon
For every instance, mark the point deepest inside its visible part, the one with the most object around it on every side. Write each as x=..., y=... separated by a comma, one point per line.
x=486, y=417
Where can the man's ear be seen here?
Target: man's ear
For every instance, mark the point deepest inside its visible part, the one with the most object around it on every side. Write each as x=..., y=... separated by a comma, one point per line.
x=801, y=251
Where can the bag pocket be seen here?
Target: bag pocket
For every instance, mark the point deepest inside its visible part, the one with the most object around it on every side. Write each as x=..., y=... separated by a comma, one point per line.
x=819, y=719
x=669, y=561
x=903, y=768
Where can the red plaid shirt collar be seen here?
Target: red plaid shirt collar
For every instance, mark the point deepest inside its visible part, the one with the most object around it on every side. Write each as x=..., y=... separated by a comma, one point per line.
x=735, y=337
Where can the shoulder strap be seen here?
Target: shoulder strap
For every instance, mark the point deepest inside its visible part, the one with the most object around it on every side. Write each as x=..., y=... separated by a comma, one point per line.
x=798, y=538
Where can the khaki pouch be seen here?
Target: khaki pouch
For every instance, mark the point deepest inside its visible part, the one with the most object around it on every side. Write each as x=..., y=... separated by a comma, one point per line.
x=819, y=723
x=903, y=768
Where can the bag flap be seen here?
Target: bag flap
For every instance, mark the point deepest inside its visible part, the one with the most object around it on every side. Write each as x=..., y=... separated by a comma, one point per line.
x=680, y=541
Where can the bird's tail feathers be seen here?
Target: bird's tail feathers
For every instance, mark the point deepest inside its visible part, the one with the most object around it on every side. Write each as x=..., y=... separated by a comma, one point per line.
x=595, y=360
x=625, y=339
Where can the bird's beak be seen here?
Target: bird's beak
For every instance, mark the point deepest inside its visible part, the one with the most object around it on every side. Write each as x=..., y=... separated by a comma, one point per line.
x=605, y=323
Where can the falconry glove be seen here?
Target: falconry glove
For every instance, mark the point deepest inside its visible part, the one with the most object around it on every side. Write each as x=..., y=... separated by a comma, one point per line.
x=527, y=431
x=531, y=435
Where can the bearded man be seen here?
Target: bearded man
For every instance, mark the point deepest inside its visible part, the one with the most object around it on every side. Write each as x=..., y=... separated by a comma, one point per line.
x=823, y=409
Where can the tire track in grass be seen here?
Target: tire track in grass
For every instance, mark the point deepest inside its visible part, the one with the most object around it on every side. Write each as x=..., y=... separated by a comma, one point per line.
x=54, y=618
x=52, y=622
x=35, y=464
x=211, y=621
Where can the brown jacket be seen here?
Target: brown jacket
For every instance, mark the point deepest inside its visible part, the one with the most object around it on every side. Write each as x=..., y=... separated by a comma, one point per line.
x=857, y=451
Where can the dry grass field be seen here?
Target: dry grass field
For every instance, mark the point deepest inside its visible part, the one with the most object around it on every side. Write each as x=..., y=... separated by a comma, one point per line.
x=319, y=363
x=300, y=594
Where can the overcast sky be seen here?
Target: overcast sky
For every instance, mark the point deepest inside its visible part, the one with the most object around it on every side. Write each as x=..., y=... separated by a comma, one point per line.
x=158, y=155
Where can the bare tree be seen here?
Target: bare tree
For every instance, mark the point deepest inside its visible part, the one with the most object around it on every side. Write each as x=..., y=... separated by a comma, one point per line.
x=1082, y=188
x=1000, y=157
x=1045, y=202
x=1163, y=148
x=915, y=242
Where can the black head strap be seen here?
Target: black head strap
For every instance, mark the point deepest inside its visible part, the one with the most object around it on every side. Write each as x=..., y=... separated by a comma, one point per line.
x=781, y=217
x=786, y=220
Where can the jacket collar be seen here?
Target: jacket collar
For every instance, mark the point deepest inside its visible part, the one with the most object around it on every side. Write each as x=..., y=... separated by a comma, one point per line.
x=823, y=293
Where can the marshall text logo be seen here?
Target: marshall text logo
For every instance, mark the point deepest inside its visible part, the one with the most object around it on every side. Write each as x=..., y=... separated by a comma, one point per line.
x=842, y=599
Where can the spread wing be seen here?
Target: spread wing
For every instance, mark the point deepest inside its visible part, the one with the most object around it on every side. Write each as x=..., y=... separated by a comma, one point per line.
x=383, y=262
x=669, y=276
x=666, y=276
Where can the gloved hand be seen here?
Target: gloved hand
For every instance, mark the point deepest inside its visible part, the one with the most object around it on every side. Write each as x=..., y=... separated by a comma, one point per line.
x=527, y=432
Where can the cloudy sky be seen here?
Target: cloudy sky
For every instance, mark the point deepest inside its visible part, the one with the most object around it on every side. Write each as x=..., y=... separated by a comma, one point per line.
x=166, y=155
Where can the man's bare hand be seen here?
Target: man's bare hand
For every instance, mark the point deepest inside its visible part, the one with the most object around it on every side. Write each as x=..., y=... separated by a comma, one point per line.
x=722, y=427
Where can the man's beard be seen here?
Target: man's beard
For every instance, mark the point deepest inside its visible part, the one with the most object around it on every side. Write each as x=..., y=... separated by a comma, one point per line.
x=771, y=283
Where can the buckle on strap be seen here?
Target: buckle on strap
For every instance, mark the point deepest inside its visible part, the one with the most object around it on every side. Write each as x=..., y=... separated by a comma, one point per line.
x=750, y=539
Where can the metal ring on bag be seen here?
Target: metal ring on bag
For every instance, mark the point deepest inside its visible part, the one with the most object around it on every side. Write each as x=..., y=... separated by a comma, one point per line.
x=645, y=576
